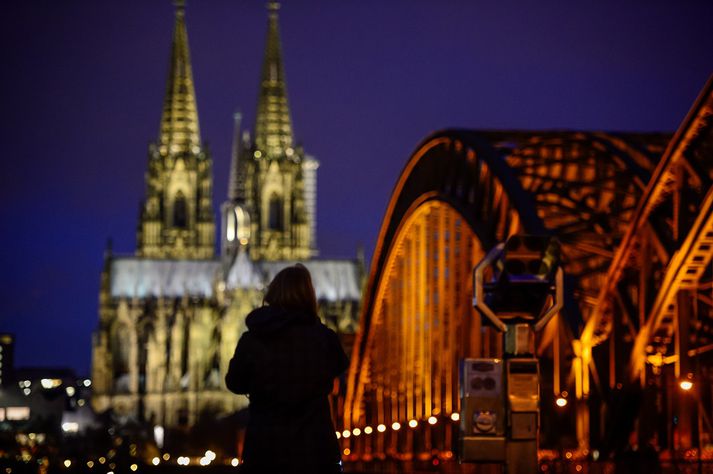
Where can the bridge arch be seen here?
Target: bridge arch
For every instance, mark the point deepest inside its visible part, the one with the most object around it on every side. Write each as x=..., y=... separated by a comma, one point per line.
x=482, y=186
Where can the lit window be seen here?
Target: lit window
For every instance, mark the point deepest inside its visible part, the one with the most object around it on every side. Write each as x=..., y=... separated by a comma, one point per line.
x=17, y=413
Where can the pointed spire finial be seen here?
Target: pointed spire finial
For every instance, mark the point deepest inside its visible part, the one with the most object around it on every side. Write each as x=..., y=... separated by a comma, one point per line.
x=179, y=122
x=273, y=125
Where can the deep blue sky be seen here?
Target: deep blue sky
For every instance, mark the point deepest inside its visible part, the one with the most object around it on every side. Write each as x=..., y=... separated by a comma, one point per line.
x=83, y=82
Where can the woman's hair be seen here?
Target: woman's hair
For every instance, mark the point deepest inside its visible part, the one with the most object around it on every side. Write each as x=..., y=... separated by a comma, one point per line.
x=292, y=289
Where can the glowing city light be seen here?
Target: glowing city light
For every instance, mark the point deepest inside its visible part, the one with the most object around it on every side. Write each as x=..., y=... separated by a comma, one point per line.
x=686, y=385
x=346, y=434
x=561, y=402
x=166, y=456
x=102, y=460
x=432, y=420
x=90, y=464
x=67, y=463
x=50, y=383
x=339, y=435
x=396, y=426
x=87, y=382
x=381, y=428
x=455, y=416
x=134, y=467
x=356, y=431
x=368, y=430
x=70, y=391
x=413, y=423
x=70, y=427
x=156, y=461
x=234, y=462
x=210, y=455
x=347, y=451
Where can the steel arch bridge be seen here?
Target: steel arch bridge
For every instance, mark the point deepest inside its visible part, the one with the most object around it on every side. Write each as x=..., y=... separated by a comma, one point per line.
x=634, y=213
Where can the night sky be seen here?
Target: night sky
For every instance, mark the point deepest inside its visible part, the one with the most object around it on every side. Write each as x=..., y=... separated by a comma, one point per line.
x=83, y=82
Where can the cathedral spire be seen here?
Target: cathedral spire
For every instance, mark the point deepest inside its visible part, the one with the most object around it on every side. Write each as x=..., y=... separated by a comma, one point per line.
x=236, y=184
x=179, y=120
x=273, y=126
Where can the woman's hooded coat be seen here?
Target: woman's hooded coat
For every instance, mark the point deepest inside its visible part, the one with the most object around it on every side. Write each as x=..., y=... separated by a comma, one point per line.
x=286, y=363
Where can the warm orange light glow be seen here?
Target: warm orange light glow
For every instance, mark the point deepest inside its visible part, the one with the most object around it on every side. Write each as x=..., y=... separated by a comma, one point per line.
x=432, y=420
x=686, y=385
x=347, y=451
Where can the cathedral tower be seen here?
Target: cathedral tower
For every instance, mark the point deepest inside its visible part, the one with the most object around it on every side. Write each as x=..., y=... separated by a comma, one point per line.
x=274, y=181
x=177, y=216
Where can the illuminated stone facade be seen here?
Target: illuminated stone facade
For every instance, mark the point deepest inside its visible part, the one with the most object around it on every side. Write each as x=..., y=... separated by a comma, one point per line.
x=171, y=315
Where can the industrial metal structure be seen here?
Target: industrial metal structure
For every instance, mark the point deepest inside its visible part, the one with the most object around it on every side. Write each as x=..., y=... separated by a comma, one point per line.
x=634, y=215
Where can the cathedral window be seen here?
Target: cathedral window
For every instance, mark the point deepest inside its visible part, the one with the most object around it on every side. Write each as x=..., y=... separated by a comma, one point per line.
x=180, y=216
x=275, y=221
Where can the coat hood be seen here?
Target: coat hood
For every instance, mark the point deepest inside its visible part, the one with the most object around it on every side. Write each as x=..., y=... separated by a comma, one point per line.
x=271, y=319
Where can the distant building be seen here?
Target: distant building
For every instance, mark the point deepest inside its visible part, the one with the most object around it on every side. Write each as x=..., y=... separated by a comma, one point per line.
x=7, y=358
x=46, y=401
x=171, y=315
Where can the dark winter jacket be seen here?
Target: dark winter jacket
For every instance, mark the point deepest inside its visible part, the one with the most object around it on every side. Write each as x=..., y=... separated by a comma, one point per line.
x=286, y=363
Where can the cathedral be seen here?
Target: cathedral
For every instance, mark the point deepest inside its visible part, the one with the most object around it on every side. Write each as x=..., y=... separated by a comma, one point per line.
x=171, y=314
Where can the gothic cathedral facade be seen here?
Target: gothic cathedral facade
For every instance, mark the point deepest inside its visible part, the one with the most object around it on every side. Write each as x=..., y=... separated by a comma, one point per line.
x=171, y=314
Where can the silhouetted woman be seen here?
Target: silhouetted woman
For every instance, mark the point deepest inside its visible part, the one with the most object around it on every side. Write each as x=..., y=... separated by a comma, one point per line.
x=286, y=363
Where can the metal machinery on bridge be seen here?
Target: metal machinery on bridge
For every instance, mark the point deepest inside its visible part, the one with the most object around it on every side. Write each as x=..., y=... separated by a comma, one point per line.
x=519, y=288
x=634, y=215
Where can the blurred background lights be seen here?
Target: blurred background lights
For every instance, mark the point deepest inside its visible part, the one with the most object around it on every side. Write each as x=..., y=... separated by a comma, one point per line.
x=432, y=420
